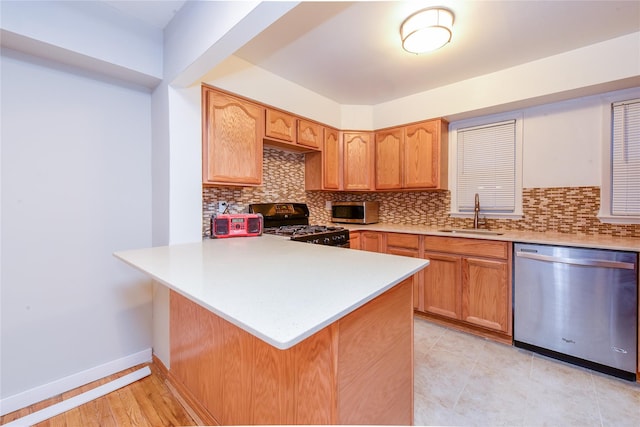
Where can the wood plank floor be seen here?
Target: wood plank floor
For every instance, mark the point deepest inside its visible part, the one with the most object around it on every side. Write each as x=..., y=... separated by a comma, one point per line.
x=146, y=402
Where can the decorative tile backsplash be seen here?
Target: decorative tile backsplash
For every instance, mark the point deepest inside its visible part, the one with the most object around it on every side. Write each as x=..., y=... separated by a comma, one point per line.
x=283, y=181
x=565, y=209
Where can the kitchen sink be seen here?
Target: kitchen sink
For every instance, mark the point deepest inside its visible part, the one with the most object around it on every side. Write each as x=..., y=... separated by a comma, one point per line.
x=471, y=231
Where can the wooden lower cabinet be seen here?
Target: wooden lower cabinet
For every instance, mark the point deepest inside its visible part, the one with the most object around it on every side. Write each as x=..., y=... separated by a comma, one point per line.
x=485, y=293
x=371, y=241
x=407, y=245
x=468, y=284
x=354, y=239
x=366, y=240
x=358, y=370
x=442, y=285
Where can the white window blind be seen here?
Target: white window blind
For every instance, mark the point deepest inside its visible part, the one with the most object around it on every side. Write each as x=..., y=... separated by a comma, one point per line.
x=486, y=165
x=625, y=159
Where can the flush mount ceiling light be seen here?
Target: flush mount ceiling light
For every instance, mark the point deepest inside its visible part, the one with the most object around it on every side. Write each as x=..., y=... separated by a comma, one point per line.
x=426, y=30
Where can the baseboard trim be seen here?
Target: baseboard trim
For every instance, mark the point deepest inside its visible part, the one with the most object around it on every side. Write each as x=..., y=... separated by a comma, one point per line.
x=54, y=388
x=81, y=399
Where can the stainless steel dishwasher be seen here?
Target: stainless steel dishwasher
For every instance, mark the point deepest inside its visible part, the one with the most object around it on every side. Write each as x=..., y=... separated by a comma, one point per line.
x=578, y=305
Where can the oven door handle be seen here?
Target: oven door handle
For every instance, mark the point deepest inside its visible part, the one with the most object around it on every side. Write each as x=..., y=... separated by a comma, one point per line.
x=577, y=261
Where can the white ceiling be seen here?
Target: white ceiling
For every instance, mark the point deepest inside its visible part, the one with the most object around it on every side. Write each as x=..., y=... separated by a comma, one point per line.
x=350, y=51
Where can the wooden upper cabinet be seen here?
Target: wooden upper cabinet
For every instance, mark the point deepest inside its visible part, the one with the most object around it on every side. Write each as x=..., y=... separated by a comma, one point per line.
x=323, y=169
x=232, y=134
x=280, y=125
x=412, y=157
x=288, y=131
x=310, y=134
x=389, y=159
x=421, y=155
x=358, y=160
x=425, y=155
x=331, y=160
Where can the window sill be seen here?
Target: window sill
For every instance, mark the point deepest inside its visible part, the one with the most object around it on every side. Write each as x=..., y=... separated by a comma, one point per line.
x=609, y=219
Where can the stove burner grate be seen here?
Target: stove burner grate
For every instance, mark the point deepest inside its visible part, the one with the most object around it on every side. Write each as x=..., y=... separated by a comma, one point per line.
x=319, y=234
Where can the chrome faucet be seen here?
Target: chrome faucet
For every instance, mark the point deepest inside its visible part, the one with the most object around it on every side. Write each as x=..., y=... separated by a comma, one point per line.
x=476, y=211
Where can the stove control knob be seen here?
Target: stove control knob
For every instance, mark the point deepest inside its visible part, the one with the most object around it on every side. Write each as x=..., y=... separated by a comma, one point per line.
x=327, y=240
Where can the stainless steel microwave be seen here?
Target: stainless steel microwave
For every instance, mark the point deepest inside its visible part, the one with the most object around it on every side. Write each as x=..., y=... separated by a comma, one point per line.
x=355, y=212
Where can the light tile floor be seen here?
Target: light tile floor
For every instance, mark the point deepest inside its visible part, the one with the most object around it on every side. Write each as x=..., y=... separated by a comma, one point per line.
x=464, y=380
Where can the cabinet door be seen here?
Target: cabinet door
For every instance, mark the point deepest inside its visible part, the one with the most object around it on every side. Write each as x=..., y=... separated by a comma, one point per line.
x=389, y=147
x=358, y=161
x=232, y=139
x=309, y=134
x=485, y=293
x=441, y=285
x=354, y=240
x=280, y=125
x=371, y=241
x=331, y=159
x=422, y=155
x=416, y=278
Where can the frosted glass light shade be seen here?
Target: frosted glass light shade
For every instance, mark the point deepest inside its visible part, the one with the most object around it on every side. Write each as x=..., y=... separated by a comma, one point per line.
x=426, y=30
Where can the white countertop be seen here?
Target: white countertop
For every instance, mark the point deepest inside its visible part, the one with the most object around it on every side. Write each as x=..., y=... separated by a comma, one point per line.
x=599, y=241
x=279, y=290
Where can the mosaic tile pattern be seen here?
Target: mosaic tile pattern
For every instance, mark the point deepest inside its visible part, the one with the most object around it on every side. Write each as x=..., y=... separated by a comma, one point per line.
x=564, y=209
x=283, y=179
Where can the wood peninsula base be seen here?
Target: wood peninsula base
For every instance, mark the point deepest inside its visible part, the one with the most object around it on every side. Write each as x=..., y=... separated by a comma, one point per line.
x=358, y=370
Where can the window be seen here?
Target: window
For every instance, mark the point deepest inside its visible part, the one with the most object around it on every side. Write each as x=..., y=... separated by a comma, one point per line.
x=488, y=162
x=620, y=192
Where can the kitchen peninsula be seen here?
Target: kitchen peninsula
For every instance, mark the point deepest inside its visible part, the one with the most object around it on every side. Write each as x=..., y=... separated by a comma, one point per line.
x=265, y=330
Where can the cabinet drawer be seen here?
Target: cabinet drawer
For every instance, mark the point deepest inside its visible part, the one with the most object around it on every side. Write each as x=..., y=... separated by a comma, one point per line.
x=401, y=240
x=467, y=246
x=403, y=252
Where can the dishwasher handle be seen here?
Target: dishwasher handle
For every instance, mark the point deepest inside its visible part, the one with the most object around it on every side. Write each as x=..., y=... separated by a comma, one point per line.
x=578, y=261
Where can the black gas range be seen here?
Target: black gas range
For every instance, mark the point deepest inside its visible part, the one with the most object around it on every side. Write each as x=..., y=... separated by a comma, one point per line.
x=292, y=220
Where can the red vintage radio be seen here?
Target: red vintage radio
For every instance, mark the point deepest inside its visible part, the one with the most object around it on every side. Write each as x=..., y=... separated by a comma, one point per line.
x=236, y=225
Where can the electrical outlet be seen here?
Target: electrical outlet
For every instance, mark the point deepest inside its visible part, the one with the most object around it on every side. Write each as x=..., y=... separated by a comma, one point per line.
x=327, y=205
x=222, y=207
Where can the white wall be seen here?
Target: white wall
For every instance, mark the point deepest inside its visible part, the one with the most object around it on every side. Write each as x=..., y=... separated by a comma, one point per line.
x=92, y=32
x=76, y=186
x=562, y=144
x=239, y=76
x=606, y=66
